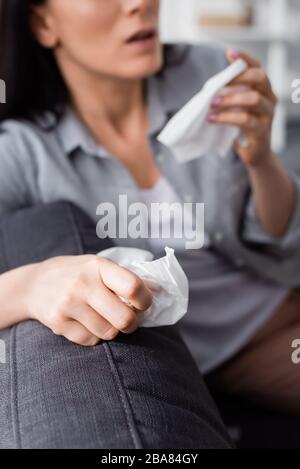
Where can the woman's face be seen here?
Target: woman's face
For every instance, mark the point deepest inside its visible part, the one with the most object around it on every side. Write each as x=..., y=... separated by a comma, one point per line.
x=94, y=34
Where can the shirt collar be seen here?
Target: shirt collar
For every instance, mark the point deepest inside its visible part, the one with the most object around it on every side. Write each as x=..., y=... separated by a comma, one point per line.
x=73, y=134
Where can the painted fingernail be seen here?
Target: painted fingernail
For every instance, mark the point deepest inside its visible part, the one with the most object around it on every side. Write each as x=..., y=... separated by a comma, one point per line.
x=234, y=53
x=216, y=101
x=212, y=117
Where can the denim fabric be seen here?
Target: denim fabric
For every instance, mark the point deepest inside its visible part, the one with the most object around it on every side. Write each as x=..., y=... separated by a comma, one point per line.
x=139, y=391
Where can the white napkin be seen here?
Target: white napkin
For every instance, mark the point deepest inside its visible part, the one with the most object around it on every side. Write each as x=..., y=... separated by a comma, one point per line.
x=165, y=278
x=189, y=134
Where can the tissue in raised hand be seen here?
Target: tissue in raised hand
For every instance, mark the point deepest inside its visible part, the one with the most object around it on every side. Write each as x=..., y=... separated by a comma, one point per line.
x=189, y=134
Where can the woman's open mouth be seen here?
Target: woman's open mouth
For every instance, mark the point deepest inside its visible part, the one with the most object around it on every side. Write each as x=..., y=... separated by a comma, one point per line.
x=145, y=38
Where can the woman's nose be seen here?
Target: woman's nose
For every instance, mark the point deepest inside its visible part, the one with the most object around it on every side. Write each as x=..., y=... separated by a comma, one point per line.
x=132, y=6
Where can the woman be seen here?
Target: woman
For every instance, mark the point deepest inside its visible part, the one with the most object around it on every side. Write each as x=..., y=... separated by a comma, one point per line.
x=89, y=88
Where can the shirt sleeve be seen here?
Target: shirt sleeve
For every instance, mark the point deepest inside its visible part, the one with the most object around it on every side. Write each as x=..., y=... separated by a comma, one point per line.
x=254, y=233
x=15, y=174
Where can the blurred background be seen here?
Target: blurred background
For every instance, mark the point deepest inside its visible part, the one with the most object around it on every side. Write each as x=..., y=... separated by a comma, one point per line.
x=268, y=29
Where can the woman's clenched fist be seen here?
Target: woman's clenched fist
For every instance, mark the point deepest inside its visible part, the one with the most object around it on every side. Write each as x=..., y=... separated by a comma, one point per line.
x=78, y=298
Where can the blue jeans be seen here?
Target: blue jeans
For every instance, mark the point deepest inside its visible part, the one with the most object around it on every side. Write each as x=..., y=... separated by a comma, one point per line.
x=141, y=390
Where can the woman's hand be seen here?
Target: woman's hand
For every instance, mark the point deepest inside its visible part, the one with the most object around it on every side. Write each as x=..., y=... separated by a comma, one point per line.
x=76, y=297
x=252, y=110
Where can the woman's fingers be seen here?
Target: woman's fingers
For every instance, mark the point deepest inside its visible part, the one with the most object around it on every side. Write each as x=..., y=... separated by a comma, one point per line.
x=126, y=284
x=103, y=295
x=251, y=109
x=82, y=298
x=250, y=99
x=256, y=78
x=234, y=54
x=118, y=295
x=94, y=322
x=251, y=76
x=77, y=333
x=107, y=304
x=242, y=119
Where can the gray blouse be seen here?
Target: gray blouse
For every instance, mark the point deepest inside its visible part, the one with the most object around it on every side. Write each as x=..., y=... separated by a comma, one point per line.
x=238, y=281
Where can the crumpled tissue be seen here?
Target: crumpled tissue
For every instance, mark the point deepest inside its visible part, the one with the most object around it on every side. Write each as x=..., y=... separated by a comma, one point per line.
x=165, y=278
x=189, y=134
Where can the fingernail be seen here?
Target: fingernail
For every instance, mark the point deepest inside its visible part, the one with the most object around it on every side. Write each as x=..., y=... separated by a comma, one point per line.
x=216, y=101
x=234, y=53
x=211, y=117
